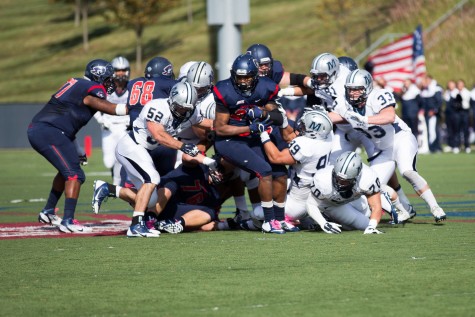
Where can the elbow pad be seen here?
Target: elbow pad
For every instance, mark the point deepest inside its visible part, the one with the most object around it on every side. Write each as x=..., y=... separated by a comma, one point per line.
x=296, y=79
x=277, y=117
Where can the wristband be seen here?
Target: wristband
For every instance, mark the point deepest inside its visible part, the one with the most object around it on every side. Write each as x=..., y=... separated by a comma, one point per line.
x=209, y=161
x=265, y=137
x=121, y=109
x=372, y=223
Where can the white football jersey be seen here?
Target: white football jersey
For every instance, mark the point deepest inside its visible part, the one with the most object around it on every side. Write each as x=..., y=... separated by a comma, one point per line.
x=382, y=136
x=326, y=195
x=113, y=122
x=158, y=110
x=335, y=90
x=311, y=155
x=207, y=107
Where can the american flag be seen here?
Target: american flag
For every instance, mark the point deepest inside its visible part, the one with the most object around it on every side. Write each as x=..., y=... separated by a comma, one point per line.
x=399, y=60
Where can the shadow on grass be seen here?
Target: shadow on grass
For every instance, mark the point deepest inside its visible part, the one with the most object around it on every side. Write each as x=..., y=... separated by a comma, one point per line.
x=77, y=40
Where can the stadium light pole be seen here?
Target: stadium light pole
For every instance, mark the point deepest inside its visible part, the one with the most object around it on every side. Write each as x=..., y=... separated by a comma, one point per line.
x=228, y=15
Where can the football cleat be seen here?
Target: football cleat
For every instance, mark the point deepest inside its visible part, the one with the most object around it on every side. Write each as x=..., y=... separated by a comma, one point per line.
x=272, y=226
x=412, y=211
x=403, y=216
x=141, y=231
x=288, y=226
x=49, y=216
x=170, y=226
x=251, y=224
x=72, y=226
x=100, y=195
x=439, y=214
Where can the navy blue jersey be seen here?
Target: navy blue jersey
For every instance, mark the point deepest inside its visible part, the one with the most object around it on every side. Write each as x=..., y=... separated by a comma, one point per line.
x=66, y=109
x=142, y=90
x=277, y=72
x=189, y=185
x=228, y=96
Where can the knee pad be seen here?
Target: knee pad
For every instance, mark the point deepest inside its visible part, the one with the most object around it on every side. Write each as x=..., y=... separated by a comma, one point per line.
x=81, y=177
x=416, y=180
x=252, y=183
x=245, y=176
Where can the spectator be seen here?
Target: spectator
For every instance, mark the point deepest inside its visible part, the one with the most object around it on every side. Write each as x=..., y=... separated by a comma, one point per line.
x=450, y=120
x=431, y=96
x=472, y=115
x=411, y=102
x=462, y=110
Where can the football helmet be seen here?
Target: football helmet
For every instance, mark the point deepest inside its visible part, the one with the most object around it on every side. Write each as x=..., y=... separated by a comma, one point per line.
x=315, y=124
x=102, y=72
x=324, y=70
x=345, y=173
x=182, y=100
x=201, y=76
x=245, y=74
x=263, y=56
x=358, y=85
x=348, y=62
x=121, y=63
x=159, y=66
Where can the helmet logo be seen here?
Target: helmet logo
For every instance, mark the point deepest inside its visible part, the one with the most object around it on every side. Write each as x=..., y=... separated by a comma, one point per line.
x=315, y=126
x=367, y=80
x=167, y=70
x=331, y=64
x=98, y=70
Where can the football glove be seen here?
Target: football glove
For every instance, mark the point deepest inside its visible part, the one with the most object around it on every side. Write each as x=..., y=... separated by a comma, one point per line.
x=356, y=120
x=372, y=230
x=190, y=149
x=257, y=126
x=331, y=227
x=254, y=113
x=83, y=159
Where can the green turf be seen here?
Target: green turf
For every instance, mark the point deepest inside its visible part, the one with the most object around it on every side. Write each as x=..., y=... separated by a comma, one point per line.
x=420, y=269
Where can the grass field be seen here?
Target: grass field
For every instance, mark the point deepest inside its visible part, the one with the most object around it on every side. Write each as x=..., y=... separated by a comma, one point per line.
x=420, y=269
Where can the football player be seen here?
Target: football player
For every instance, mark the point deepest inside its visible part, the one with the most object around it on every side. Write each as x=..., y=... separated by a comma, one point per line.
x=347, y=195
x=157, y=124
x=371, y=113
x=157, y=83
x=306, y=154
x=53, y=129
x=115, y=127
x=245, y=105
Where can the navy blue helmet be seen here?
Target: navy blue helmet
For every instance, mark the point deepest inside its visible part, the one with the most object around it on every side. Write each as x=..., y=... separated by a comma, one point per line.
x=245, y=73
x=159, y=66
x=102, y=72
x=348, y=62
x=263, y=56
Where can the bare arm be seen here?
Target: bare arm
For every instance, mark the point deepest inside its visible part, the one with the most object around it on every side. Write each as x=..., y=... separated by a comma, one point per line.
x=101, y=105
x=158, y=133
x=221, y=123
x=374, y=202
x=385, y=116
x=278, y=157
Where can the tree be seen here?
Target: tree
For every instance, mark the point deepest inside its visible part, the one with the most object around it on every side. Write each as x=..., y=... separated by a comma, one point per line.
x=136, y=15
x=81, y=13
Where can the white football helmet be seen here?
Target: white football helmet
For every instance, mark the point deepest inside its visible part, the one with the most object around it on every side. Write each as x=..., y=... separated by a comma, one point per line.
x=325, y=69
x=346, y=171
x=315, y=124
x=121, y=63
x=201, y=76
x=182, y=100
x=358, y=86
